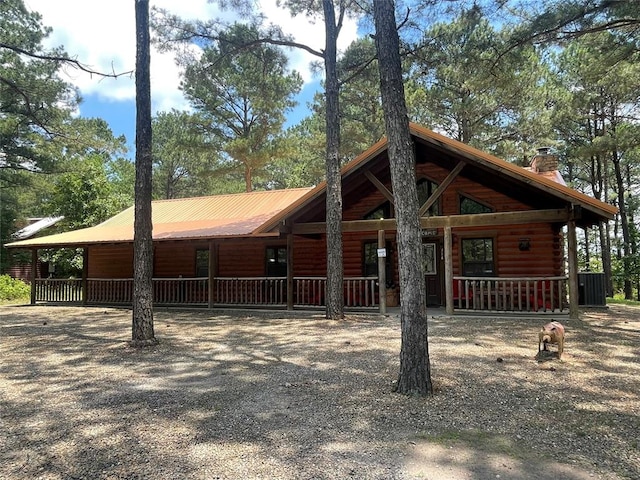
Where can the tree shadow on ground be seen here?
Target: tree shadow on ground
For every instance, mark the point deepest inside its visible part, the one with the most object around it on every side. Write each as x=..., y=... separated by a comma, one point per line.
x=250, y=396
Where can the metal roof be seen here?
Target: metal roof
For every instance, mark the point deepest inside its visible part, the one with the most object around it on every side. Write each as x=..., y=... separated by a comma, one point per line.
x=259, y=213
x=469, y=153
x=514, y=171
x=232, y=215
x=37, y=226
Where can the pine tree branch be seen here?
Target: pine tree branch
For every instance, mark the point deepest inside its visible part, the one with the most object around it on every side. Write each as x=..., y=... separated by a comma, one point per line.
x=63, y=59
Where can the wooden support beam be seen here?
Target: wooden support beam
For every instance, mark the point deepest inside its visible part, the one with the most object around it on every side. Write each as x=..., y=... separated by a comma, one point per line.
x=213, y=267
x=34, y=269
x=382, y=273
x=380, y=186
x=448, y=270
x=289, y=271
x=85, y=274
x=572, y=260
x=441, y=188
x=470, y=220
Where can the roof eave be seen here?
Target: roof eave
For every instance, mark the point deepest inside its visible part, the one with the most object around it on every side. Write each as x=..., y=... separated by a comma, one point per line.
x=601, y=209
x=33, y=244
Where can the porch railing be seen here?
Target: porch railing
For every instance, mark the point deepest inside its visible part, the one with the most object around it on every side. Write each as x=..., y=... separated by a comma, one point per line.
x=58, y=290
x=510, y=294
x=166, y=291
x=258, y=291
x=181, y=291
x=307, y=291
x=360, y=292
x=116, y=291
x=492, y=294
x=236, y=291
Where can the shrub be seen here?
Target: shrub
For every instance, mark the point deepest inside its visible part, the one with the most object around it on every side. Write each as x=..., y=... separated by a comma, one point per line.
x=12, y=289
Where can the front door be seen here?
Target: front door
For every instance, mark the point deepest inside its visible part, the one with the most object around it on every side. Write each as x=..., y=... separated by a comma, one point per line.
x=430, y=262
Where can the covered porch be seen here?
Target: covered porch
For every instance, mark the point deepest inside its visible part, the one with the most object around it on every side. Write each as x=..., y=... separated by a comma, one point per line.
x=472, y=294
x=496, y=237
x=517, y=294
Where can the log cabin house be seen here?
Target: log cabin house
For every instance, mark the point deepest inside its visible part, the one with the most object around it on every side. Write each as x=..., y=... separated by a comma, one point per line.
x=496, y=237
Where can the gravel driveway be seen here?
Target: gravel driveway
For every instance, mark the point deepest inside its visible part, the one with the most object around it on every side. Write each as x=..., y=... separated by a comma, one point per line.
x=275, y=396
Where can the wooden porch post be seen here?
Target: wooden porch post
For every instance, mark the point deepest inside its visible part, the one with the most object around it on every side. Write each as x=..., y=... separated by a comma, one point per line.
x=289, y=271
x=382, y=273
x=572, y=252
x=213, y=266
x=448, y=270
x=85, y=274
x=34, y=269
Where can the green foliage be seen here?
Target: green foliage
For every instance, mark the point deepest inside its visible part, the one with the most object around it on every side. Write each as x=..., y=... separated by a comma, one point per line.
x=564, y=20
x=184, y=157
x=466, y=82
x=301, y=161
x=64, y=262
x=122, y=178
x=243, y=90
x=619, y=299
x=82, y=194
x=361, y=115
x=38, y=135
x=31, y=96
x=550, y=73
x=34, y=100
x=12, y=289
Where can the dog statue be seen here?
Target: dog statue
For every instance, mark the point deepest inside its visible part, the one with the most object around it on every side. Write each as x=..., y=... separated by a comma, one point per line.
x=551, y=333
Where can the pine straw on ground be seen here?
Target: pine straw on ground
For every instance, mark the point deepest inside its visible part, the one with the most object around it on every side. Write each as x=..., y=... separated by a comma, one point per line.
x=294, y=396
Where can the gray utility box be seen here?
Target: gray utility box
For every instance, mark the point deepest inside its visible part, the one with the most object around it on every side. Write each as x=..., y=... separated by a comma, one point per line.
x=591, y=289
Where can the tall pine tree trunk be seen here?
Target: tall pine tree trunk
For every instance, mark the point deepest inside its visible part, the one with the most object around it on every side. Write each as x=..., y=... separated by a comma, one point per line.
x=624, y=224
x=415, y=369
x=335, y=293
x=142, y=324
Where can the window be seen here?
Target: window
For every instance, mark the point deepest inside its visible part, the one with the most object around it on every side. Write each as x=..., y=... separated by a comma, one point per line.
x=370, y=261
x=469, y=206
x=202, y=262
x=370, y=254
x=383, y=211
x=429, y=258
x=477, y=257
x=276, y=261
x=425, y=190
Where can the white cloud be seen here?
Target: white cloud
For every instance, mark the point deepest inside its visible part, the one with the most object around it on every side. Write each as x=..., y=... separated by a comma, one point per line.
x=102, y=36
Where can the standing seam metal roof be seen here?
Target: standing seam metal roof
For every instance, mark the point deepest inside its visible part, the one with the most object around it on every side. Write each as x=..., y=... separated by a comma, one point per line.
x=230, y=215
x=462, y=150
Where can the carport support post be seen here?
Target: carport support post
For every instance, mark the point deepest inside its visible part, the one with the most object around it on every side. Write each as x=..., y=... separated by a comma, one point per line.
x=34, y=269
x=572, y=253
x=213, y=265
x=448, y=270
x=85, y=274
x=382, y=272
x=289, y=271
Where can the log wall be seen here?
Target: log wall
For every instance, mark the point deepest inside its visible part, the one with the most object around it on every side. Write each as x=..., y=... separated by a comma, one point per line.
x=110, y=261
x=246, y=257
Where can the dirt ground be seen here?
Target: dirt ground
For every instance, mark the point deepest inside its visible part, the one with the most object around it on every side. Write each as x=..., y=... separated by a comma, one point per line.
x=281, y=395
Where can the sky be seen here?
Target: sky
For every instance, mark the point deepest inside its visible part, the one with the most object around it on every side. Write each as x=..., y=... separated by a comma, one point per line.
x=101, y=35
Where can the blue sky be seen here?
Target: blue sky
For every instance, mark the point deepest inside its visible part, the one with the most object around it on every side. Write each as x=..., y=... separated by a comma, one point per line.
x=102, y=36
x=120, y=115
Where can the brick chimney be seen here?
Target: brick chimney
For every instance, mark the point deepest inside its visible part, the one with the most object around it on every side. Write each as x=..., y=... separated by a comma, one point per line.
x=544, y=161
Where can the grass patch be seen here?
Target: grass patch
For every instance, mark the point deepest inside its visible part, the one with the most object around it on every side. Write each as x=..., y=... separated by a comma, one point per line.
x=479, y=440
x=620, y=300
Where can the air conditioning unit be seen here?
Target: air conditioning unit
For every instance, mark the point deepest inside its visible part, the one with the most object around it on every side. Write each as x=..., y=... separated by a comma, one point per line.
x=591, y=289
